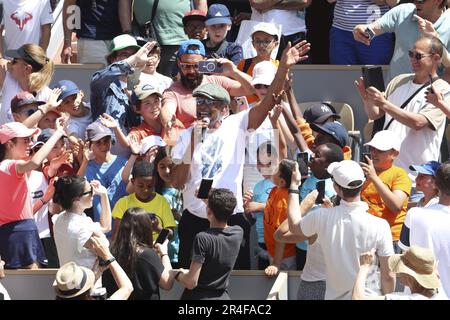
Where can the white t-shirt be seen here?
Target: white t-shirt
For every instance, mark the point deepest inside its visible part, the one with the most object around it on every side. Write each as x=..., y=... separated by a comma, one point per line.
x=71, y=233
x=344, y=232
x=23, y=19
x=37, y=184
x=406, y=296
x=10, y=88
x=4, y=292
x=430, y=228
x=418, y=146
x=291, y=22
x=220, y=157
x=77, y=125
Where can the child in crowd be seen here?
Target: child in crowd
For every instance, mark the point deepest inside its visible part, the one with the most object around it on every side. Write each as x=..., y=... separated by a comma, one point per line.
x=145, y=197
x=163, y=169
x=218, y=23
x=72, y=103
x=259, y=198
x=282, y=255
x=264, y=40
x=194, y=24
x=387, y=187
x=149, y=73
x=100, y=164
x=426, y=182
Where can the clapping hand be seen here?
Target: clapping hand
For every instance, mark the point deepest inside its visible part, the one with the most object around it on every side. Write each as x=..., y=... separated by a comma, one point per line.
x=294, y=54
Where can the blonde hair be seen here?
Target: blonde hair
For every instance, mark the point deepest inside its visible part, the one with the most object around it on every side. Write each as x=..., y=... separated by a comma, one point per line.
x=41, y=78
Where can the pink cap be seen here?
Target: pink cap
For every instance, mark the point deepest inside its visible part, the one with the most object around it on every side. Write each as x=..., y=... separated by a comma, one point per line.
x=12, y=130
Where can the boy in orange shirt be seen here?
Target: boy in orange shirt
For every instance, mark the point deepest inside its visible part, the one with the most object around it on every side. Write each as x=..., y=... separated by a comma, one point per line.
x=387, y=187
x=282, y=255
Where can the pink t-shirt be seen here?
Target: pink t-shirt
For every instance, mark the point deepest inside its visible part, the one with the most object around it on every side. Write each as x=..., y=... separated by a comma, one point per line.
x=15, y=198
x=179, y=98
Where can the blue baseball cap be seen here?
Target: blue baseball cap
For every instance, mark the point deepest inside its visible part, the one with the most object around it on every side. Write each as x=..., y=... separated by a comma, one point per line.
x=217, y=14
x=429, y=168
x=334, y=129
x=184, y=47
x=68, y=88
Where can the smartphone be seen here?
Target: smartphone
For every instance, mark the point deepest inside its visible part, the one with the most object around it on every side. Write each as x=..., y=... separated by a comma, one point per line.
x=302, y=160
x=242, y=103
x=205, y=186
x=431, y=83
x=162, y=236
x=210, y=66
x=373, y=77
x=320, y=186
x=364, y=157
x=369, y=33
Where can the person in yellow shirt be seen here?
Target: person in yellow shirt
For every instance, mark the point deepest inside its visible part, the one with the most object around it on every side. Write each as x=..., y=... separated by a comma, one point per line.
x=387, y=187
x=146, y=198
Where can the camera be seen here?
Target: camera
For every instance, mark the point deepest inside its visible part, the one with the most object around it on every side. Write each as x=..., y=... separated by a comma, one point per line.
x=210, y=66
x=369, y=33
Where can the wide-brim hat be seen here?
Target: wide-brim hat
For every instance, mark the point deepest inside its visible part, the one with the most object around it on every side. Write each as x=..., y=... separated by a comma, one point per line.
x=73, y=280
x=419, y=263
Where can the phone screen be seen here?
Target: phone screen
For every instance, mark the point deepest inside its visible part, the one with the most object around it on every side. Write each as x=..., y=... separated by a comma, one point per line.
x=320, y=186
x=302, y=160
x=162, y=236
x=242, y=103
x=364, y=156
x=205, y=186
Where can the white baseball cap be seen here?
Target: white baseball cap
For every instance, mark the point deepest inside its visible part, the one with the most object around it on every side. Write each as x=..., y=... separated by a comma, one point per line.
x=266, y=27
x=384, y=140
x=151, y=141
x=264, y=73
x=345, y=172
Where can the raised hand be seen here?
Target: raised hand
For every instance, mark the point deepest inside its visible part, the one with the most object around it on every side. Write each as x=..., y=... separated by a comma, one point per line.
x=296, y=177
x=66, y=55
x=135, y=145
x=98, y=188
x=140, y=58
x=426, y=27
x=376, y=96
x=367, y=258
x=275, y=113
x=108, y=121
x=53, y=101
x=293, y=55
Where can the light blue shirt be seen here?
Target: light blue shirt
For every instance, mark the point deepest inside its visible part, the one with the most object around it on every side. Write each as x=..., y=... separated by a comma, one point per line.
x=261, y=194
x=400, y=20
x=307, y=187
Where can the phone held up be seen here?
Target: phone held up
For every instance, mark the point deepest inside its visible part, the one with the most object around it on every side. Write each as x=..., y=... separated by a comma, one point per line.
x=368, y=155
x=242, y=103
x=205, y=186
x=302, y=160
x=162, y=236
x=320, y=186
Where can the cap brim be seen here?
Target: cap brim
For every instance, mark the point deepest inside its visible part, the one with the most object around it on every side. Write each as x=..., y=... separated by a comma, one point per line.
x=124, y=47
x=100, y=136
x=13, y=54
x=377, y=146
x=321, y=129
x=148, y=94
x=37, y=143
x=324, y=117
x=193, y=17
x=261, y=81
x=421, y=169
x=221, y=20
x=64, y=95
x=28, y=133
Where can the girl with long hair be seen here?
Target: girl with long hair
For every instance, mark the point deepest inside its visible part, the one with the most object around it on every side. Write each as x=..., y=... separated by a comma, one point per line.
x=134, y=250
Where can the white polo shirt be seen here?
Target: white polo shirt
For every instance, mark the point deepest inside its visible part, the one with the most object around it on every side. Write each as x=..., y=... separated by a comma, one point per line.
x=344, y=232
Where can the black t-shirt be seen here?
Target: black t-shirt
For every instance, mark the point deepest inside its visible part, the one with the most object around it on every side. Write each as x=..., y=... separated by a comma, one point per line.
x=145, y=277
x=100, y=19
x=217, y=250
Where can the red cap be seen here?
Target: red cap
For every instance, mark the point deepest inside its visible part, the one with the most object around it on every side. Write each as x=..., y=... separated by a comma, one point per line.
x=194, y=15
x=23, y=98
x=12, y=130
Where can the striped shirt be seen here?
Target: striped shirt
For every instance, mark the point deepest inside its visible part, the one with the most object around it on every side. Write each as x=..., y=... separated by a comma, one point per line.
x=349, y=13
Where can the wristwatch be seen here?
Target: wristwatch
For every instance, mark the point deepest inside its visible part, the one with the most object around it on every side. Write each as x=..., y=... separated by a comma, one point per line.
x=293, y=191
x=104, y=263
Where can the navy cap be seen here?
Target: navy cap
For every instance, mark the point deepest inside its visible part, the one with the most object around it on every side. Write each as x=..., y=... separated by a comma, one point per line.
x=68, y=88
x=184, y=47
x=319, y=112
x=333, y=129
x=429, y=168
x=44, y=136
x=218, y=14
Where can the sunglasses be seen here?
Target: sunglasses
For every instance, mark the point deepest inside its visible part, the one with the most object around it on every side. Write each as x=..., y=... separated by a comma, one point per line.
x=28, y=112
x=261, y=86
x=90, y=192
x=208, y=102
x=262, y=42
x=417, y=55
x=186, y=66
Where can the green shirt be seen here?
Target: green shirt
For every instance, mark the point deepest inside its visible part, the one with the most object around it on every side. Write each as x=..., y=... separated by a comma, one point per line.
x=168, y=21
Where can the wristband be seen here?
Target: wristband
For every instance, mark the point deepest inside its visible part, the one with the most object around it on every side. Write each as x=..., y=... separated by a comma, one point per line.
x=293, y=191
x=104, y=263
x=135, y=154
x=39, y=109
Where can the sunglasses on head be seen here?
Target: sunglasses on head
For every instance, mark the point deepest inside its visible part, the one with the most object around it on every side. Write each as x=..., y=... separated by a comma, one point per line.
x=417, y=55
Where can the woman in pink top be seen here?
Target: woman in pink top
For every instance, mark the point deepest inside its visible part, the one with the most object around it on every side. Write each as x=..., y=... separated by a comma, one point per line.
x=20, y=246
